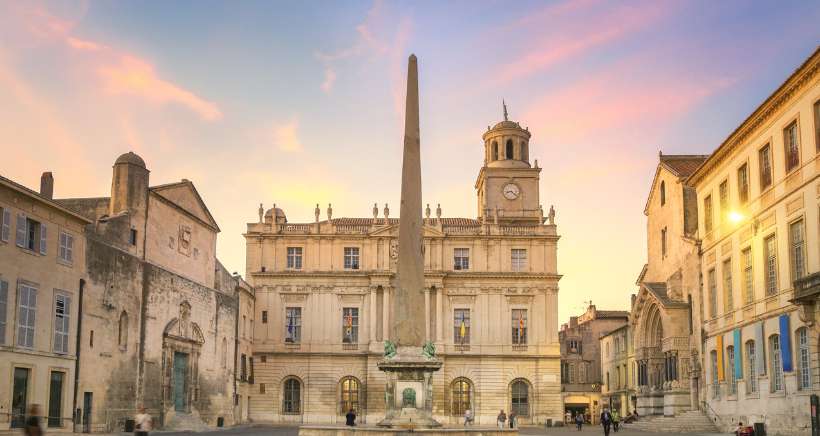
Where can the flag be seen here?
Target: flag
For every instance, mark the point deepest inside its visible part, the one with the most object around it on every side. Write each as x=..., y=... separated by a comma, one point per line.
x=349, y=325
x=462, y=332
x=520, y=328
x=290, y=328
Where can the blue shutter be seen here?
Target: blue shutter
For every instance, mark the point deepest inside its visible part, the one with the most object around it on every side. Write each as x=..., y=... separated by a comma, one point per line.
x=21, y=230
x=785, y=343
x=43, y=239
x=738, y=355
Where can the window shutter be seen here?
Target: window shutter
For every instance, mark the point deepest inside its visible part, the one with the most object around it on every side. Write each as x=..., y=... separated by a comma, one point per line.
x=21, y=230
x=43, y=237
x=70, y=248
x=4, y=299
x=6, y=226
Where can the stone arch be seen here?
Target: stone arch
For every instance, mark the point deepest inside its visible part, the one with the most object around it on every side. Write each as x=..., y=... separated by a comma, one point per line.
x=521, y=398
x=350, y=394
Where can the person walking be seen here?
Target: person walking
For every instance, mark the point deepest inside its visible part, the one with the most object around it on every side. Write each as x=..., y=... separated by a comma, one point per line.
x=32, y=426
x=616, y=420
x=468, y=417
x=142, y=422
x=502, y=418
x=513, y=416
x=350, y=418
x=606, y=421
x=579, y=420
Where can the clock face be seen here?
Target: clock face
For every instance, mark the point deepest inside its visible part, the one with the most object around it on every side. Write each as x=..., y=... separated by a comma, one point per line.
x=511, y=191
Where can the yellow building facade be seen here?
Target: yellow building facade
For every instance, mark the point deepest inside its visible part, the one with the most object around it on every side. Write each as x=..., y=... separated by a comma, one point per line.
x=322, y=291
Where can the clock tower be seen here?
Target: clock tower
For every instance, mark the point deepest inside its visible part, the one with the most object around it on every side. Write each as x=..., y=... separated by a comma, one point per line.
x=507, y=184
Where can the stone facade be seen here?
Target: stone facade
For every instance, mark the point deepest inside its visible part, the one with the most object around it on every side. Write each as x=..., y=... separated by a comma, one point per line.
x=758, y=226
x=159, y=312
x=617, y=367
x=323, y=291
x=581, y=375
x=42, y=266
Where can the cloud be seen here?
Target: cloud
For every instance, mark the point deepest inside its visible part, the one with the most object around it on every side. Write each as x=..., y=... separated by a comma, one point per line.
x=134, y=76
x=330, y=79
x=283, y=136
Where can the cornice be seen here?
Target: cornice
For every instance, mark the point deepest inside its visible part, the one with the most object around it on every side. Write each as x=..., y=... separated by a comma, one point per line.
x=799, y=79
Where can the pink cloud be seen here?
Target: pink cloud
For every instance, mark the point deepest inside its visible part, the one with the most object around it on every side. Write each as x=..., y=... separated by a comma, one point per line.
x=566, y=39
x=134, y=76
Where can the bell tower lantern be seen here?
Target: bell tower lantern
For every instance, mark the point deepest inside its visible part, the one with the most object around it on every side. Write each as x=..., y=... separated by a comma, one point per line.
x=507, y=184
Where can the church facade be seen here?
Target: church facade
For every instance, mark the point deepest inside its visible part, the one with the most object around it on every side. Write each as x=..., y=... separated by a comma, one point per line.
x=323, y=290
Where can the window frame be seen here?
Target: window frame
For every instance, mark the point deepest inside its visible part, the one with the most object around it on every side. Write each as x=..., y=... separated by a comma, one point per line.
x=457, y=325
x=803, y=359
x=5, y=224
x=711, y=283
x=293, y=313
x=461, y=400
x=816, y=107
x=791, y=151
x=713, y=360
x=730, y=363
x=352, y=258
x=4, y=308
x=65, y=251
x=747, y=267
x=61, y=323
x=726, y=280
x=291, y=405
x=461, y=259
x=723, y=200
x=23, y=331
x=518, y=263
x=708, y=214
x=294, y=257
x=751, y=366
x=663, y=192
x=765, y=168
x=349, y=387
x=743, y=184
x=775, y=364
x=353, y=313
x=519, y=332
x=517, y=406
x=663, y=242
x=770, y=265
x=797, y=251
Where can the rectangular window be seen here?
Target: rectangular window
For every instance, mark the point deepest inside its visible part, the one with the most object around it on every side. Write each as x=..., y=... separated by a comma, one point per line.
x=804, y=359
x=294, y=258
x=770, y=256
x=350, y=325
x=519, y=259
x=66, y=247
x=519, y=326
x=748, y=278
x=750, y=363
x=797, y=249
x=293, y=324
x=461, y=259
x=728, y=297
x=243, y=367
x=461, y=326
x=132, y=237
x=715, y=383
x=776, y=365
x=351, y=257
x=792, y=145
x=765, y=163
x=707, y=214
x=4, y=306
x=5, y=225
x=817, y=125
x=712, y=283
x=62, y=313
x=663, y=241
x=31, y=234
x=723, y=193
x=26, y=315
x=743, y=184
x=264, y=317
x=730, y=363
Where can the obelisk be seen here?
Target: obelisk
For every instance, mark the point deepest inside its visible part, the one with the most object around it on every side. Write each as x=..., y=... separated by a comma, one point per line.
x=407, y=302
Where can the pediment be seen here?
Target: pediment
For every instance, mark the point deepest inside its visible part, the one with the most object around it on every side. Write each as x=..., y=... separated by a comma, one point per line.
x=185, y=195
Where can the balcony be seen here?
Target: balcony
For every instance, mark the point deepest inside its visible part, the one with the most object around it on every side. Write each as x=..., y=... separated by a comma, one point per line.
x=806, y=289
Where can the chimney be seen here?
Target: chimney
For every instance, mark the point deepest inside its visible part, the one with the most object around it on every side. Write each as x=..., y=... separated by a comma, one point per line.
x=47, y=185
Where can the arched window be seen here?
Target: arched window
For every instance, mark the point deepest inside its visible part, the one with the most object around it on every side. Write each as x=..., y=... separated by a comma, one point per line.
x=663, y=193
x=292, y=396
x=751, y=365
x=803, y=362
x=461, y=396
x=508, y=153
x=525, y=152
x=122, y=336
x=495, y=150
x=607, y=380
x=349, y=399
x=224, y=352
x=730, y=362
x=775, y=365
x=520, y=394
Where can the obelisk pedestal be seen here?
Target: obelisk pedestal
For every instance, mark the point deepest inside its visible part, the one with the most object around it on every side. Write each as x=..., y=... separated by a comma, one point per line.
x=409, y=362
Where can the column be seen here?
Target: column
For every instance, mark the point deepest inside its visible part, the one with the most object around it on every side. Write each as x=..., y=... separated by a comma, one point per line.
x=372, y=322
x=427, y=314
x=386, y=314
x=439, y=315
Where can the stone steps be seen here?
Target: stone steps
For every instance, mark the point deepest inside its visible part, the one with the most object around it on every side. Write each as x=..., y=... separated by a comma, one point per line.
x=693, y=421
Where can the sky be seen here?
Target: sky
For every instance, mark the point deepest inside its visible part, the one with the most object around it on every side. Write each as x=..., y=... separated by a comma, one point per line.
x=299, y=103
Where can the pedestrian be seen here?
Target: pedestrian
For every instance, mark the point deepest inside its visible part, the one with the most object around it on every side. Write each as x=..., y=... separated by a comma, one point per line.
x=33, y=427
x=468, y=417
x=579, y=420
x=616, y=420
x=512, y=419
x=606, y=421
x=739, y=429
x=502, y=418
x=142, y=422
x=350, y=418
